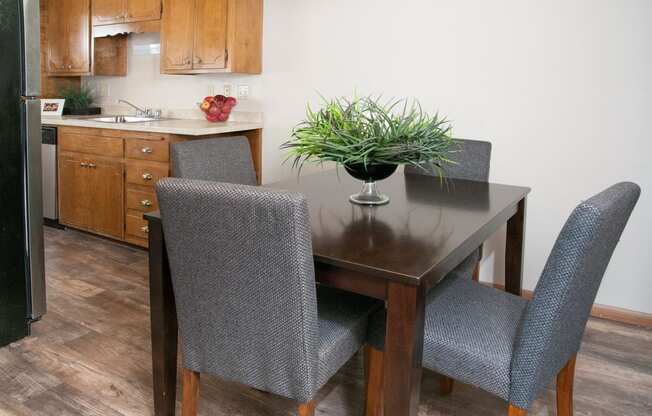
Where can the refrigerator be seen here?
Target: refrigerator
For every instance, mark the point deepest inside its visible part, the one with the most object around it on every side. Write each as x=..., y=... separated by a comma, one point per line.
x=22, y=274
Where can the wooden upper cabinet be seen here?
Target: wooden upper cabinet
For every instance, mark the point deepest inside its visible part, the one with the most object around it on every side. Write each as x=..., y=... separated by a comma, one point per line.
x=68, y=37
x=210, y=34
x=203, y=36
x=177, y=35
x=106, y=12
x=142, y=10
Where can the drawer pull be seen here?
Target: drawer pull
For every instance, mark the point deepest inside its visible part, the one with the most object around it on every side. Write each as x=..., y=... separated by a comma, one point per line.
x=147, y=150
x=145, y=229
x=83, y=164
x=146, y=203
x=92, y=165
x=147, y=176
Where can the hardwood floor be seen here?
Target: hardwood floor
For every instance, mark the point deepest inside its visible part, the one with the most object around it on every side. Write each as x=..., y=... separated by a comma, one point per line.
x=90, y=355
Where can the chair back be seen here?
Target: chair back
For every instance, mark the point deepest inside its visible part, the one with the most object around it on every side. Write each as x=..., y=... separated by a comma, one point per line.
x=554, y=321
x=244, y=284
x=225, y=159
x=472, y=162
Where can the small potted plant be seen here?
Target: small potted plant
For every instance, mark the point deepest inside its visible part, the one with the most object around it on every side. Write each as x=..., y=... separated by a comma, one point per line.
x=79, y=101
x=371, y=138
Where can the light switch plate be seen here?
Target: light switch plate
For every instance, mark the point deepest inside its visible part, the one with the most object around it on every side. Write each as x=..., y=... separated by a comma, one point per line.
x=228, y=90
x=243, y=92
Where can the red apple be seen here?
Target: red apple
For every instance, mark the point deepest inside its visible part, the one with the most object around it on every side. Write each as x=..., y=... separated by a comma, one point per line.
x=223, y=116
x=212, y=118
x=220, y=98
x=214, y=110
x=205, y=106
x=231, y=101
x=226, y=108
x=209, y=99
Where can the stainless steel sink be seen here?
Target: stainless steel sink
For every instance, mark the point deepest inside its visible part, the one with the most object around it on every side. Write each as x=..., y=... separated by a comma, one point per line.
x=123, y=119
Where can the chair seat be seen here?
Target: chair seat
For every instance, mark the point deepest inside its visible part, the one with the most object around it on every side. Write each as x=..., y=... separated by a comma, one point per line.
x=343, y=321
x=469, y=332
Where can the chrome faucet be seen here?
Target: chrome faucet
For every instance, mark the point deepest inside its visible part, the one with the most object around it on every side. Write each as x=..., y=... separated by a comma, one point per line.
x=146, y=112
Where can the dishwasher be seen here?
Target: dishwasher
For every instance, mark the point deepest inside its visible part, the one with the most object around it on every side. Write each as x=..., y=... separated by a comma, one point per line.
x=49, y=168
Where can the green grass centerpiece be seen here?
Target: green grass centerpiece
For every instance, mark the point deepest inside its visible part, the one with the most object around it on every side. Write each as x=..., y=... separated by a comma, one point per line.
x=370, y=138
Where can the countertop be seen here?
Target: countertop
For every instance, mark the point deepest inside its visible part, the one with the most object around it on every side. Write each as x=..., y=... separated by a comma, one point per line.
x=169, y=126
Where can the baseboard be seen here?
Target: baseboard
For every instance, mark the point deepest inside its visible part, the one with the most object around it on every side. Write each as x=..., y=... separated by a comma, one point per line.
x=610, y=313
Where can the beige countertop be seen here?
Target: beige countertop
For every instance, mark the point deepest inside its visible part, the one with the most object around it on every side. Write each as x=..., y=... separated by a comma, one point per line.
x=169, y=126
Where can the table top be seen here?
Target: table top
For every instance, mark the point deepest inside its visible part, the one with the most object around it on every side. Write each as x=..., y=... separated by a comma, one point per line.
x=425, y=231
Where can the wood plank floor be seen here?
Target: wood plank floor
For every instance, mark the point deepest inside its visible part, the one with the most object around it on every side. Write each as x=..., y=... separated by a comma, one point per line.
x=90, y=355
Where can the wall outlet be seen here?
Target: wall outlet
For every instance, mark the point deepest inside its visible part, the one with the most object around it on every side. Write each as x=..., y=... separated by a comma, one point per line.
x=228, y=90
x=103, y=90
x=243, y=92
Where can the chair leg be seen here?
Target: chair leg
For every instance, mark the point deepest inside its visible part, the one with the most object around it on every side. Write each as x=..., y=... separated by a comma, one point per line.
x=307, y=409
x=374, y=381
x=190, y=393
x=565, y=380
x=446, y=385
x=476, y=273
x=516, y=411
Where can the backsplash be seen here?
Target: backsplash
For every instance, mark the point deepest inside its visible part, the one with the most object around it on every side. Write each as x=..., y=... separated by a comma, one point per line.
x=176, y=95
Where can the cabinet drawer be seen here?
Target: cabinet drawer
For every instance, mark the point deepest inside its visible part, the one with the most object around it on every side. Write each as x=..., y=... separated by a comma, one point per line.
x=147, y=150
x=94, y=145
x=142, y=201
x=146, y=174
x=137, y=226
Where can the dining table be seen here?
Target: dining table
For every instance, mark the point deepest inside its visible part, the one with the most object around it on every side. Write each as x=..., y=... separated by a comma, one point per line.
x=395, y=252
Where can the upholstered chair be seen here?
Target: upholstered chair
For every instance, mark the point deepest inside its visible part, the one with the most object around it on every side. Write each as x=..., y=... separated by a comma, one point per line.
x=472, y=163
x=505, y=344
x=225, y=159
x=248, y=307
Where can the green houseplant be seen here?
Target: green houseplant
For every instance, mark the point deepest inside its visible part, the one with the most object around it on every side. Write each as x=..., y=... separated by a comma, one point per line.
x=79, y=101
x=370, y=138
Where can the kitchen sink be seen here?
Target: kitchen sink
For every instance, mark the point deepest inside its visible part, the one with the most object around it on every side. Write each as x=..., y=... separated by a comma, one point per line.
x=123, y=119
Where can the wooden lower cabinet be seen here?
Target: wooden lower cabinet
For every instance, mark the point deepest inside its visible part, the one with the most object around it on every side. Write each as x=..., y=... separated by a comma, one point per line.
x=107, y=178
x=91, y=193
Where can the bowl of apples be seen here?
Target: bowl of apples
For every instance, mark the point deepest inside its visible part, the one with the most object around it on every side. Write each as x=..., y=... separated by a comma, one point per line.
x=218, y=108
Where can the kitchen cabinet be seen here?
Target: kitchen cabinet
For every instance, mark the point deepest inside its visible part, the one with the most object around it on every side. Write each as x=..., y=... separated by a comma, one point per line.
x=106, y=12
x=107, y=178
x=91, y=197
x=204, y=36
x=68, y=49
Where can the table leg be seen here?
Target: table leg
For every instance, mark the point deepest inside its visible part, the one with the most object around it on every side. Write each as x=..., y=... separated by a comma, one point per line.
x=403, y=349
x=514, y=250
x=163, y=324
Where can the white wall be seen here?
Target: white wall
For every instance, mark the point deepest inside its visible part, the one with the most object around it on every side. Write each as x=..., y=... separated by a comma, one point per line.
x=563, y=88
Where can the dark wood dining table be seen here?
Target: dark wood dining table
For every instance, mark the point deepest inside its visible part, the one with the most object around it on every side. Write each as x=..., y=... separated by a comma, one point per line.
x=395, y=252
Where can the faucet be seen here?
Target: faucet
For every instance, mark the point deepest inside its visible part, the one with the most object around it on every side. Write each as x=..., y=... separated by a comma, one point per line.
x=147, y=112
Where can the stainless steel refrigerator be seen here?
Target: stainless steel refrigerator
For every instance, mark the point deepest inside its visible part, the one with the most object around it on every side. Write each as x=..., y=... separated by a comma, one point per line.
x=22, y=274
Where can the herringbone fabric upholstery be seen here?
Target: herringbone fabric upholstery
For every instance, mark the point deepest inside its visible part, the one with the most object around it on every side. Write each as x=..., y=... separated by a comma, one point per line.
x=472, y=162
x=511, y=347
x=227, y=159
x=554, y=321
x=243, y=278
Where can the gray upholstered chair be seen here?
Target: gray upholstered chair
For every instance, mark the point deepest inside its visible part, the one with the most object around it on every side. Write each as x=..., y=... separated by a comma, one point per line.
x=472, y=163
x=248, y=307
x=511, y=347
x=225, y=159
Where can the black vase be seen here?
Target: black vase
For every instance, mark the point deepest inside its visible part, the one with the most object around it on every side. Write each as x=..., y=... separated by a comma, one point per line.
x=370, y=174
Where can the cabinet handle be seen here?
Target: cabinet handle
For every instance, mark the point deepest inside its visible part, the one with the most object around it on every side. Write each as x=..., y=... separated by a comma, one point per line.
x=83, y=164
x=145, y=229
x=198, y=60
x=69, y=66
x=146, y=203
x=147, y=150
x=92, y=165
x=147, y=176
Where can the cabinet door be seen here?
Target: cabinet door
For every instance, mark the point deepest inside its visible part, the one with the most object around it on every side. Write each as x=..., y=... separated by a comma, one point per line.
x=141, y=10
x=69, y=37
x=177, y=35
x=107, y=206
x=108, y=11
x=210, y=34
x=74, y=191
